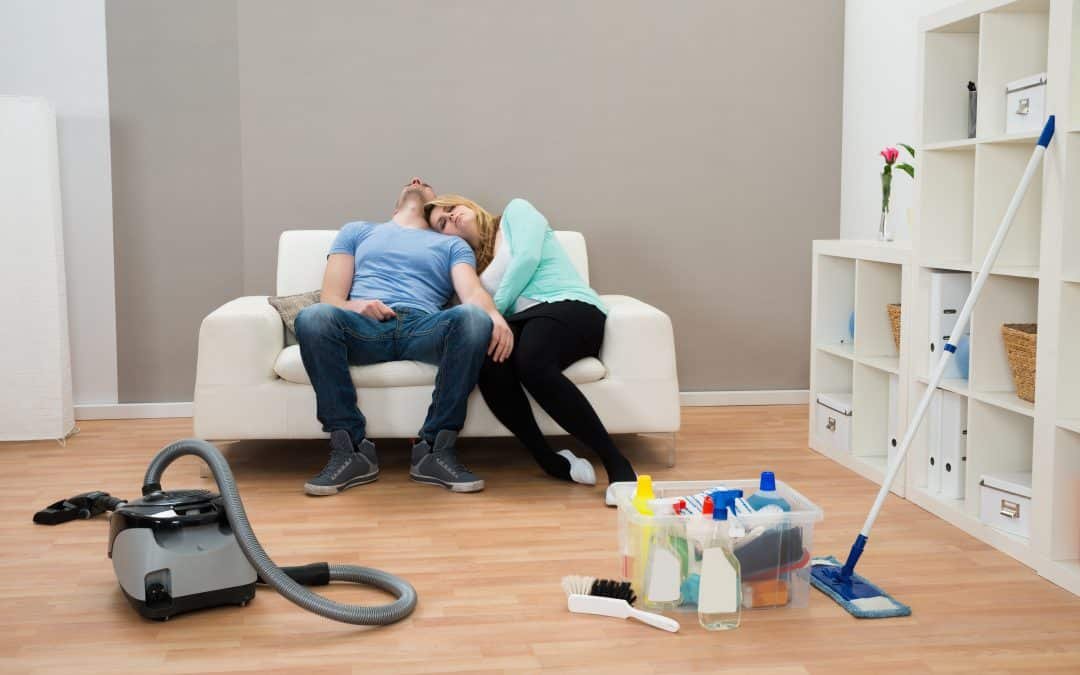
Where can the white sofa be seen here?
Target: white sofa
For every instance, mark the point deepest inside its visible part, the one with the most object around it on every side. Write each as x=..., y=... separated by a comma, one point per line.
x=251, y=384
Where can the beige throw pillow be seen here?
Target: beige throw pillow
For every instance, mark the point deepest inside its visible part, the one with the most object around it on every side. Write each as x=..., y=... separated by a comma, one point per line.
x=288, y=306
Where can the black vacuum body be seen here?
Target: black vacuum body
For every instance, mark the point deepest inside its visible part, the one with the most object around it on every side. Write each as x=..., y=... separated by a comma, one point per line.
x=173, y=552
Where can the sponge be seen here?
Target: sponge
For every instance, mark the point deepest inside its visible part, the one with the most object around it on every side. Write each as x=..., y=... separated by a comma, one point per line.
x=766, y=593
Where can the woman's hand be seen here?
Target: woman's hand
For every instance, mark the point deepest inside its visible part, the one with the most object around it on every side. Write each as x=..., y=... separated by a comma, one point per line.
x=502, y=338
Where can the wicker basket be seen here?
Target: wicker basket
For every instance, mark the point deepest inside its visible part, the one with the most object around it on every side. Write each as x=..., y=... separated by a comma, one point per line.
x=1020, y=346
x=894, y=319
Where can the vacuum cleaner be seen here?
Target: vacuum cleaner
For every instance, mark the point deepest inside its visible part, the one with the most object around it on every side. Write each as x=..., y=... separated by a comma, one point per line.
x=177, y=551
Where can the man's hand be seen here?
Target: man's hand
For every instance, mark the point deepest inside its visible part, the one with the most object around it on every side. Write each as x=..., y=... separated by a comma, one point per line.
x=372, y=309
x=469, y=289
x=502, y=338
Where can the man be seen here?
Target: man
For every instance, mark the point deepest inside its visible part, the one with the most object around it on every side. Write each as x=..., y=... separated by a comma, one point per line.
x=382, y=297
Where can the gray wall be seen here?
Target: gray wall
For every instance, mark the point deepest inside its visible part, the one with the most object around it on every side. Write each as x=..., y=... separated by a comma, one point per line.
x=696, y=144
x=174, y=102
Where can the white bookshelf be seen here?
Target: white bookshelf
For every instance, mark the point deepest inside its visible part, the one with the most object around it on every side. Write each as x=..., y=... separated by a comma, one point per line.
x=861, y=277
x=962, y=190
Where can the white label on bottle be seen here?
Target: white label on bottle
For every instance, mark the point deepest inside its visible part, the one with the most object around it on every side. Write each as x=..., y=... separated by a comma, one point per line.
x=718, y=592
x=663, y=576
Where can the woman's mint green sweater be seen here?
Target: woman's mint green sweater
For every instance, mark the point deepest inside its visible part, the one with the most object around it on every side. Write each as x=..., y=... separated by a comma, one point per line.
x=539, y=266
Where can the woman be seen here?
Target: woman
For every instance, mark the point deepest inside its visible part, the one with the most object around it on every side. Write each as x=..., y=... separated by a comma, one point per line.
x=556, y=320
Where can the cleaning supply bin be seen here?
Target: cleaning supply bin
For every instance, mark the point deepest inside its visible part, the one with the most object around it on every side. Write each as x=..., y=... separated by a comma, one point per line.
x=774, y=552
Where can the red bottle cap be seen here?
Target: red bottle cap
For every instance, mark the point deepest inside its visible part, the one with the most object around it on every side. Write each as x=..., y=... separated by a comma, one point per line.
x=707, y=506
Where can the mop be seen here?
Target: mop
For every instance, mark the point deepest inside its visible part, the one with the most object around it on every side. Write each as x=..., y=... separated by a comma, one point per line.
x=858, y=596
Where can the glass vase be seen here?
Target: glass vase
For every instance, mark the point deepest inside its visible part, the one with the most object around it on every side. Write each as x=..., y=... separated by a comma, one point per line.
x=883, y=228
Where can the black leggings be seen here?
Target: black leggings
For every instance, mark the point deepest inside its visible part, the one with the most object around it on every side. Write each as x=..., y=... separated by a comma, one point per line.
x=547, y=338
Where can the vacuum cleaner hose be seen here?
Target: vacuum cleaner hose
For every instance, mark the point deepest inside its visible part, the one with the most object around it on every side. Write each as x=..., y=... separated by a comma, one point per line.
x=273, y=575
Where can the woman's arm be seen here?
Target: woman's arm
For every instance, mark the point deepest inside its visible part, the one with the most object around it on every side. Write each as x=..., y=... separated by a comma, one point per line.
x=525, y=229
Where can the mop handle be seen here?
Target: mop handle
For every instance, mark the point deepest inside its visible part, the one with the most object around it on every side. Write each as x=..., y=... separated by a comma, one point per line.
x=961, y=323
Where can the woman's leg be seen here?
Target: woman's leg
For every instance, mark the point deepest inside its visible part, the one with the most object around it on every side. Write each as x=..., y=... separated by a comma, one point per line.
x=502, y=392
x=546, y=346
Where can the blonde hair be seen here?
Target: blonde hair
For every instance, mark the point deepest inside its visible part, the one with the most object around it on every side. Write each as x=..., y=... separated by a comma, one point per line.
x=487, y=225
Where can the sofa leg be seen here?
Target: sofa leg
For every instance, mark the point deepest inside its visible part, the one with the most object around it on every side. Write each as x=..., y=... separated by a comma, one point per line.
x=204, y=468
x=671, y=437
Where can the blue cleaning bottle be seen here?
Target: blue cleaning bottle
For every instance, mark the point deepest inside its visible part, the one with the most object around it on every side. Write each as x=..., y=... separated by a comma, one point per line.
x=767, y=493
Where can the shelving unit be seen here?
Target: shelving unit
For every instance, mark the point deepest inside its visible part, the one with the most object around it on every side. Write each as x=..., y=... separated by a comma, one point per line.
x=860, y=277
x=1068, y=398
x=964, y=185
x=958, y=217
x=1070, y=243
x=1004, y=300
x=998, y=168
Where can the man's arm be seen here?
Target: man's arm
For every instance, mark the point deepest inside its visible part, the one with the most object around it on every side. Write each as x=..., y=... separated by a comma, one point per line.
x=337, y=282
x=471, y=292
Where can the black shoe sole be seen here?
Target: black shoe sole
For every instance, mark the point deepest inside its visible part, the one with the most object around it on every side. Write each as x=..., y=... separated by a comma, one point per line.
x=327, y=490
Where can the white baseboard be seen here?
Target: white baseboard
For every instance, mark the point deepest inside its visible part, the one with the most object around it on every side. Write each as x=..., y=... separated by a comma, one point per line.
x=129, y=411
x=764, y=397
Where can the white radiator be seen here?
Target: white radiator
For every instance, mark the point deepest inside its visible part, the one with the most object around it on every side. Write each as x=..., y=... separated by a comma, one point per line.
x=35, y=362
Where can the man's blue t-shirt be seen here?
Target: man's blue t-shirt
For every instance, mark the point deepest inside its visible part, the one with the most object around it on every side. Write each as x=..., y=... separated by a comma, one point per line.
x=401, y=265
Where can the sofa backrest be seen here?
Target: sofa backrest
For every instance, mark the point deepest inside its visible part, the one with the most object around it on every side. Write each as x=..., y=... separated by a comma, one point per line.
x=302, y=258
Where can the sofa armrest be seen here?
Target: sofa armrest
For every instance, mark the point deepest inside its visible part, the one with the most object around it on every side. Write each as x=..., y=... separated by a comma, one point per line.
x=639, y=343
x=239, y=343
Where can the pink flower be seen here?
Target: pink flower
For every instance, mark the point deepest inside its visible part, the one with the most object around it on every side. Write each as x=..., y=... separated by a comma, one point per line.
x=890, y=154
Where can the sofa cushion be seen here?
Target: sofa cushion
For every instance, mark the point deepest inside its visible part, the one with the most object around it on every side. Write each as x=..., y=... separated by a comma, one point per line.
x=289, y=306
x=290, y=366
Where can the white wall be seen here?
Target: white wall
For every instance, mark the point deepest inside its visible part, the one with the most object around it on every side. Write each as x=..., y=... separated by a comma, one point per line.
x=56, y=49
x=880, y=52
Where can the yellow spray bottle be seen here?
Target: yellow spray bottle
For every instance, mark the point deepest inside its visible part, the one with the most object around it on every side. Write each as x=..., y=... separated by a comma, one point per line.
x=643, y=494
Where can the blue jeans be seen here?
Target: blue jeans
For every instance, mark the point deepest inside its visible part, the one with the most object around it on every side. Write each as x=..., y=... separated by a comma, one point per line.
x=331, y=339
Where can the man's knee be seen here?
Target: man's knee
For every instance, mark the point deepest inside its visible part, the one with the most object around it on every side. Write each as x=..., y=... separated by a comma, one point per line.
x=473, y=324
x=316, y=320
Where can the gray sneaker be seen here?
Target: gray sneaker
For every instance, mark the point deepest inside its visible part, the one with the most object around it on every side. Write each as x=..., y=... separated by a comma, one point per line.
x=347, y=467
x=440, y=466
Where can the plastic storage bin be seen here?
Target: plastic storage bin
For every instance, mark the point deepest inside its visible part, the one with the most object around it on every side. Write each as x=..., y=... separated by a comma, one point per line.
x=774, y=556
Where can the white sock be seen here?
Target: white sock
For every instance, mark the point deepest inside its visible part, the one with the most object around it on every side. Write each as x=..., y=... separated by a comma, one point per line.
x=581, y=471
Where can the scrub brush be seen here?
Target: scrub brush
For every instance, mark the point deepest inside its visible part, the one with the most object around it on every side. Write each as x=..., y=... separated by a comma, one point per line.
x=588, y=595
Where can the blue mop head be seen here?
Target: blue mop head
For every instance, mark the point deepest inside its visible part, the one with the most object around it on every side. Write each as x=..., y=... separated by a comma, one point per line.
x=858, y=596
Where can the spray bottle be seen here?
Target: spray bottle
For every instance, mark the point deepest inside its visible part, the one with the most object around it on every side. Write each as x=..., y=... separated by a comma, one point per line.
x=639, y=558
x=698, y=531
x=720, y=596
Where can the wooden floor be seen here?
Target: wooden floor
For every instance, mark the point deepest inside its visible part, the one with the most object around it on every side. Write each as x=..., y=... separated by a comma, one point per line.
x=487, y=568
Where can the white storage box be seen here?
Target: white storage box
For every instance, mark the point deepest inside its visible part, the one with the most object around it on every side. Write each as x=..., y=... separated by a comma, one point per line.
x=1025, y=104
x=832, y=425
x=1006, y=502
